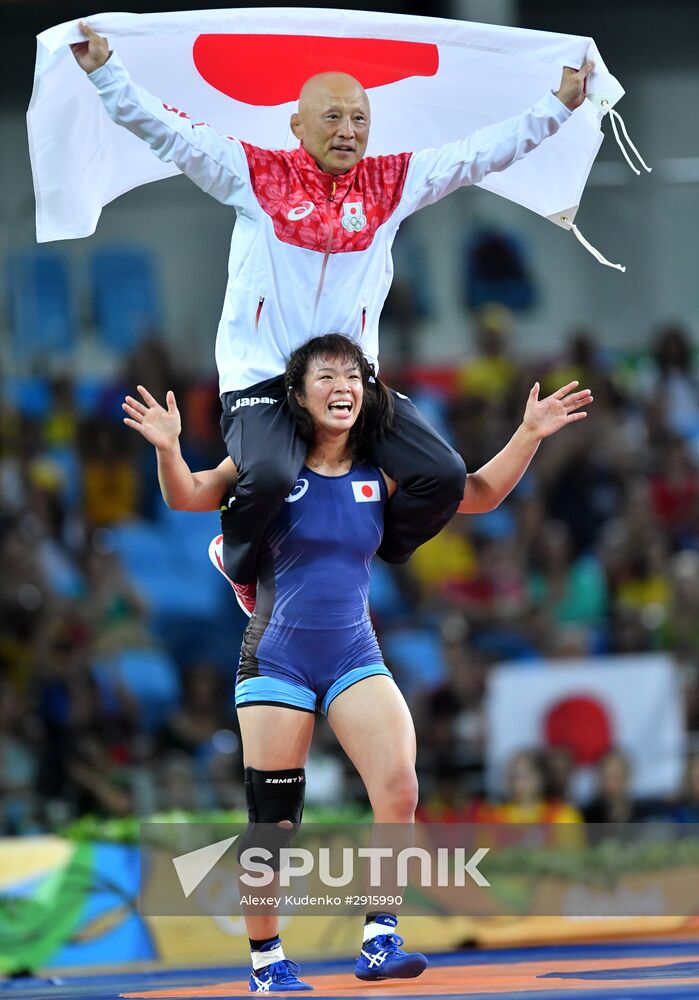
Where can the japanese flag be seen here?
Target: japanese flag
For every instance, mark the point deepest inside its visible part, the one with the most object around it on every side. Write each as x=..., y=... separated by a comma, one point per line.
x=430, y=81
x=366, y=492
x=632, y=703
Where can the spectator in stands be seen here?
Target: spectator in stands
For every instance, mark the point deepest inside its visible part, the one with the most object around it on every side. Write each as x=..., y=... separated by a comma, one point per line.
x=205, y=728
x=61, y=423
x=643, y=586
x=496, y=593
x=25, y=599
x=673, y=384
x=675, y=492
x=110, y=479
x=151, y=361
x=446, y=561
x=451, y=799
x=99, y=783
x=582, y=360
x=683, y=629
x=559, y=768
x=492, y=375
x=88, y=737
x=177, y=786
x=613, y=801
x=449, y=717
x=686, y=809
x=111, y=606
x=19, y=736
x=574, y=590
x=526, y=800
x=582, y=485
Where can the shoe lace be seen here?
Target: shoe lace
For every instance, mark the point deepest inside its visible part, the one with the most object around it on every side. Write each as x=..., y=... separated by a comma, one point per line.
x=388, y=942
x=284, y=971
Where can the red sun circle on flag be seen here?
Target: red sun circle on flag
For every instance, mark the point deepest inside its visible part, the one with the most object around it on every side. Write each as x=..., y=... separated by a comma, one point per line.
x=367, y=491
x=265, y=70
x=582, y=725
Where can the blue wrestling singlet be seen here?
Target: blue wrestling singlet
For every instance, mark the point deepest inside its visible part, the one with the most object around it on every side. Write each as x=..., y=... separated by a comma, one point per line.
x=311, y=637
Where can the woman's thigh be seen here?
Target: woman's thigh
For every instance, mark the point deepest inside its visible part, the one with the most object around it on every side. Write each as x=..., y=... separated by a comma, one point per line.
x=375, y=729
x=275, y=738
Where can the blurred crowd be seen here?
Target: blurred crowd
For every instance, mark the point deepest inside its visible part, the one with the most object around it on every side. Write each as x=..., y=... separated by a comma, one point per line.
x=595, y=553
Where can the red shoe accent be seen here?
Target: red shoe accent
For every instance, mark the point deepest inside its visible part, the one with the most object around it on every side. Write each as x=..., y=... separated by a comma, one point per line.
x=245, y=593
x=246, y=596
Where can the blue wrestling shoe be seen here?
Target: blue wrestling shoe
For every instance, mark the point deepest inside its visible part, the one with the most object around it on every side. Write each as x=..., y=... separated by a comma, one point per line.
x=382, y=957
x=279, y=977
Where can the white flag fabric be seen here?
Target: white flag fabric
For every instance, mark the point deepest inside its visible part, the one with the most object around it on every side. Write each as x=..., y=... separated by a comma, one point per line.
x=430, y=81
x=629, y=702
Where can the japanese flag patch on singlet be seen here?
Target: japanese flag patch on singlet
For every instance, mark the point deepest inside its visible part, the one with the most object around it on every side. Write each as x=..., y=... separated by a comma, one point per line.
x=366, y=491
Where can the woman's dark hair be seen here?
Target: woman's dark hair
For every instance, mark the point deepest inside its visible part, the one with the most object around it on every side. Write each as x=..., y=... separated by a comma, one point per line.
x=376, y=415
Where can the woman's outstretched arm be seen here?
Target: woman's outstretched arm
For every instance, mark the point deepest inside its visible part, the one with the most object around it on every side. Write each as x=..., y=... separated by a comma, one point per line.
x=182, y=489
x=489, y=486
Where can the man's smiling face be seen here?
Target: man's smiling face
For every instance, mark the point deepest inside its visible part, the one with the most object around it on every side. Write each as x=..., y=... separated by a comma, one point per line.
x=333, y=121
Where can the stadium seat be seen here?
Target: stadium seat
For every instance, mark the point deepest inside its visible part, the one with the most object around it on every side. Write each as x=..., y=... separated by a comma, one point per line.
x=125, y=296
x=29, y=395
x=168, y=560
x=147, y=673
x=385, y=599
x=418, y=657
x=40, y=305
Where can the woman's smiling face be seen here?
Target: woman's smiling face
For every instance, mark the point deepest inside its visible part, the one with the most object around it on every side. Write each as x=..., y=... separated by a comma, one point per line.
x=333, y=393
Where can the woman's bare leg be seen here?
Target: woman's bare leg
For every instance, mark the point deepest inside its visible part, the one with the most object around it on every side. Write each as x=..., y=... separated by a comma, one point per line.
x=375, y=729
x=374, y=726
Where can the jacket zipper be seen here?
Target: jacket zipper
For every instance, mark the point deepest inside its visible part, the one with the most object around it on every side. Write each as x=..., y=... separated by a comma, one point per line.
x=361, y=334
x=259, y=311
x=328, y=248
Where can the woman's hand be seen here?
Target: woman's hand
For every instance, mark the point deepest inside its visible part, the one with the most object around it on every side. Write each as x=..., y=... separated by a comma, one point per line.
x=543, y=417
x=159, y=426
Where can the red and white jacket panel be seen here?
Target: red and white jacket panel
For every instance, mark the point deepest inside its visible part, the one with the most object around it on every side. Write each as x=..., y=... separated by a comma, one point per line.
x=310, y=253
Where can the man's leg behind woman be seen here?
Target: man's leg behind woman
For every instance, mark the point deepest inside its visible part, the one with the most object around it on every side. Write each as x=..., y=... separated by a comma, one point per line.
x=261, y=438
x=430, y=477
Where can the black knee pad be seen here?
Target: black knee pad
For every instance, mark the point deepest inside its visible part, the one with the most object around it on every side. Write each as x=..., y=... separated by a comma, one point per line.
x=272, y=797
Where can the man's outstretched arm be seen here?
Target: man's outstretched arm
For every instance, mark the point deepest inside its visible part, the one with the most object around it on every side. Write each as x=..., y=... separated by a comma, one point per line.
x=434, y=173
x=216, y=163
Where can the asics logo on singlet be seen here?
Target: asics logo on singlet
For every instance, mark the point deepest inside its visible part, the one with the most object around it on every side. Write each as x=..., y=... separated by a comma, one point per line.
x=298, y=491
x=252, y=401
x=300, y=212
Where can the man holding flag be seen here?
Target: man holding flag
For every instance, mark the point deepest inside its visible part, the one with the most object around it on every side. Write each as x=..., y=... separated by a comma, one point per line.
x=310, y=254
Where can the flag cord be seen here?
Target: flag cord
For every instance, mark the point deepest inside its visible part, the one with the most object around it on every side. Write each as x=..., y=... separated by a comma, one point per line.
x=589, y=247
x=613, y=117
